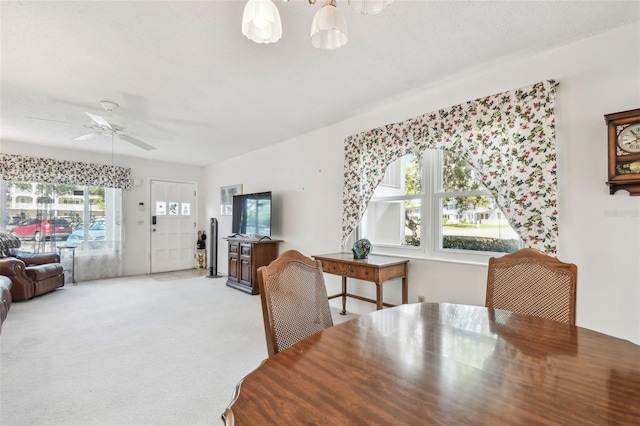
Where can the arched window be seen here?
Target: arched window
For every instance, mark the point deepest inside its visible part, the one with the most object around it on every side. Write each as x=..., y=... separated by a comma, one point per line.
x=508, y=138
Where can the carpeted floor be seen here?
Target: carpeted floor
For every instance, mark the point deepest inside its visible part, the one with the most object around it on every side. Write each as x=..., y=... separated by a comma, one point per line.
x=163, y=349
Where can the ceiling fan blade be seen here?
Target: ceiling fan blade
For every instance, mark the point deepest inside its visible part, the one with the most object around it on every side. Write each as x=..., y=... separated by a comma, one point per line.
x=86, y=137
x=137, y=142
x=100, y=121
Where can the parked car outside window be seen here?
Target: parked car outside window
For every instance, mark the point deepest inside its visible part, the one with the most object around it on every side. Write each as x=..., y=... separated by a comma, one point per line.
x=42, y=229
x=96, y=239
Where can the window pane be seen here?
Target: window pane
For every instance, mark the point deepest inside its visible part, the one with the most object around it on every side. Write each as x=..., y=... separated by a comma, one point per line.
x=393, y=175
x=95, y=220
x=457, y=175
x=413, y=175
x=394, y=222
x=402, y=177
x=475, y=223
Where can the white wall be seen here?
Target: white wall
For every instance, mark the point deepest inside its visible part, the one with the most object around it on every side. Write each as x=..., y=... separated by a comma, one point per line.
x=598, y=232
x=137, y=237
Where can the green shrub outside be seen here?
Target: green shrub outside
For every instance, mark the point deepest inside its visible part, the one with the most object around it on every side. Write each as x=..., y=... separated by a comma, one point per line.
x=498, y=245
x=461, y=242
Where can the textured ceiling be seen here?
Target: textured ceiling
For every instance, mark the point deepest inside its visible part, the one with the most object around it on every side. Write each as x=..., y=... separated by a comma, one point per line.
x=189, y=83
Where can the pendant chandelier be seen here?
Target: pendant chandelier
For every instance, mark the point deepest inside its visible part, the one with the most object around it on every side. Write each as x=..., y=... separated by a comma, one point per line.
x=261, y=21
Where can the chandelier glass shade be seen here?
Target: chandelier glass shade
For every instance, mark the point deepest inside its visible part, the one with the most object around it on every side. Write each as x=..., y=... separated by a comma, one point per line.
x=369, y=7
x=328, y=29
x=261, y=21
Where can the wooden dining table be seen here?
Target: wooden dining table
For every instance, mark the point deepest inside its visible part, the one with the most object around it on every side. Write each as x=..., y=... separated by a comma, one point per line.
x=439, y=363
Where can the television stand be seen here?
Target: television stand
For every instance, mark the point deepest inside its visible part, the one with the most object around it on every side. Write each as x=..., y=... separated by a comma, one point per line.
x=246, y=255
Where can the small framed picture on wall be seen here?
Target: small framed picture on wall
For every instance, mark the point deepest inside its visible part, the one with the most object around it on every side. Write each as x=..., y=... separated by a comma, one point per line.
x=226, y=198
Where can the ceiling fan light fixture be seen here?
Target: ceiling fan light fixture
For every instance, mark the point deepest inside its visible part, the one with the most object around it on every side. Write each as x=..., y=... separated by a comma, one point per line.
x=369, y=7
x=261, y=21
x=328, y=29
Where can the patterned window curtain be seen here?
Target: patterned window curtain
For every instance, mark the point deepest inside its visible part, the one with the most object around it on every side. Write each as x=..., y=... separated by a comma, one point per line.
x=509, y=138
x=32, y=169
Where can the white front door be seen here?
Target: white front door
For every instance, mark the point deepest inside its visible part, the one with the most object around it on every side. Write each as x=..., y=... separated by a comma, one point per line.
x=173, y=226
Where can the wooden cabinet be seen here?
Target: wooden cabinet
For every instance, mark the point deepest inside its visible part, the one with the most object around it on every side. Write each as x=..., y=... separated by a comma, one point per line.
x=234, y=261
x=245, y=257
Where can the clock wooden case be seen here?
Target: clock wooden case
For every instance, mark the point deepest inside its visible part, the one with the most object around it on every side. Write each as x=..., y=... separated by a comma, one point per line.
x=623, y=130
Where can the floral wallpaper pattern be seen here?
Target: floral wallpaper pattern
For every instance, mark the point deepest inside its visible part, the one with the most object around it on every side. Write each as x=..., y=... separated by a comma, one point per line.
x=33, y=169
x=508, y=137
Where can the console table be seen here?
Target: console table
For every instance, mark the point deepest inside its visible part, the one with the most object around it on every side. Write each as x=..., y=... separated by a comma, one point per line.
x=374, y=268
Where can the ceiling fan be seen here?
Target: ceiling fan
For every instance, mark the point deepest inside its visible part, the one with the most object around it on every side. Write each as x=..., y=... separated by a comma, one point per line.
x=101, y=127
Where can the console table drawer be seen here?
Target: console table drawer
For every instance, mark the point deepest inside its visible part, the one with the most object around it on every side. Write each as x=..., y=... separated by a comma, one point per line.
x=360, y=272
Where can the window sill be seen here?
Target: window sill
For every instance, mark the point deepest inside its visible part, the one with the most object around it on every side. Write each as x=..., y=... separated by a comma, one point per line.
x=441, y=256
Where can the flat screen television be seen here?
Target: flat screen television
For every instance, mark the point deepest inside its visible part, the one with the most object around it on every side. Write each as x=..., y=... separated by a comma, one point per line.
x=252, y=215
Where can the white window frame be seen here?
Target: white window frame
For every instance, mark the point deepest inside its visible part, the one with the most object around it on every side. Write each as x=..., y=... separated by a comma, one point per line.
x=430, y=219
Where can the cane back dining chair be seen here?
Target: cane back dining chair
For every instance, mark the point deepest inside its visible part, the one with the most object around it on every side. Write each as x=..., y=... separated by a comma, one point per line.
x=294, y=300
x=534, y=283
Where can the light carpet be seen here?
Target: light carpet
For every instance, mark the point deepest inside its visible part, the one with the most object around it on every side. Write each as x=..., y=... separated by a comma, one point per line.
x=162, y=349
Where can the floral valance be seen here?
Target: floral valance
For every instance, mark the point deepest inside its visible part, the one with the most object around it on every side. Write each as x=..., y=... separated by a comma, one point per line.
x=509, y=138
x=32, y=169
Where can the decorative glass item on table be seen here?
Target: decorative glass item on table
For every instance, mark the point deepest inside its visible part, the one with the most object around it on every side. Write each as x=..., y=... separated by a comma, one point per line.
x=361, y=249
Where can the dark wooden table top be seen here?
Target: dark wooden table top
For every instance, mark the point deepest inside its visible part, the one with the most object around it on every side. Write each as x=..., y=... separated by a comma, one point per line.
x=372, y=259
x=445, y=364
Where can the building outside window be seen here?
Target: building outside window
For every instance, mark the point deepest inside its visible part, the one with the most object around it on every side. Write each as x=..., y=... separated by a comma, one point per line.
x=433, y=205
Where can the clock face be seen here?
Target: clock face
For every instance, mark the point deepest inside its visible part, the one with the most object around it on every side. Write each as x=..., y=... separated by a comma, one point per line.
x=629, y=138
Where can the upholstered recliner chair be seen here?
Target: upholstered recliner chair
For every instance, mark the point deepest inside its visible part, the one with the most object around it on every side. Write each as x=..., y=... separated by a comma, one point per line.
x=31, y=274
